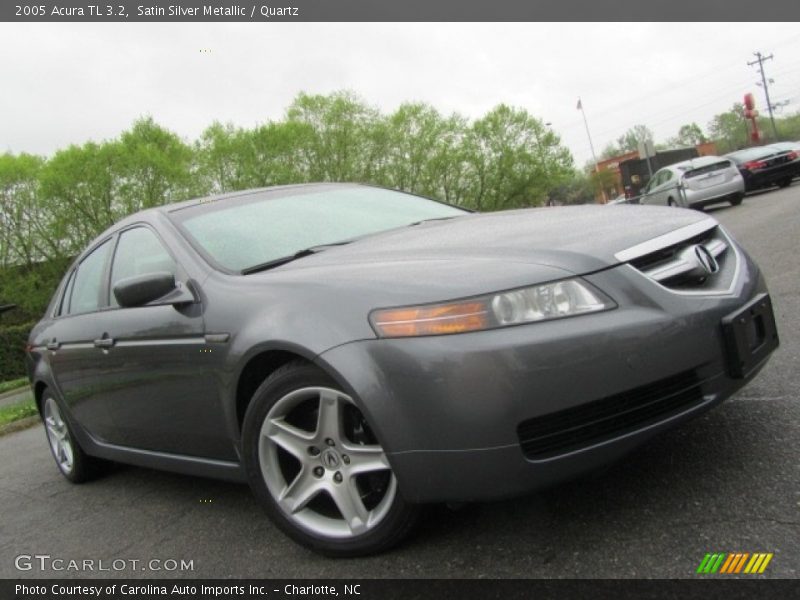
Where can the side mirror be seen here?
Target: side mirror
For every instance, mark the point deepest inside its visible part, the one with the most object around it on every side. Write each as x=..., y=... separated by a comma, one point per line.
x=144, y=289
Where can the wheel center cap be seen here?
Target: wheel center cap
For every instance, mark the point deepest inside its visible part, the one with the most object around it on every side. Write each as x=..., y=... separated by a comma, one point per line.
x=330, y=458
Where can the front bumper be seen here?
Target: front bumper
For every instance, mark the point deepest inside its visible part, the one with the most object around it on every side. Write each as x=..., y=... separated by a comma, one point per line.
x=448, y=409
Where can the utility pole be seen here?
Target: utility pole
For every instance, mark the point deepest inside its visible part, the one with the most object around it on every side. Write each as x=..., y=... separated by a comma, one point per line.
x=760, y=62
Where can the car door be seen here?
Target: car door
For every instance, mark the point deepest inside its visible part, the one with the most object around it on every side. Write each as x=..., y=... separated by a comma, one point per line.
x=650, y=193
x=75, y=361
x=667, y=189
x=159, y=391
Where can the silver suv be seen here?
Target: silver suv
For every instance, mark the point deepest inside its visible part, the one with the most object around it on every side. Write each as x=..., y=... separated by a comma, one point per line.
x=695, y=183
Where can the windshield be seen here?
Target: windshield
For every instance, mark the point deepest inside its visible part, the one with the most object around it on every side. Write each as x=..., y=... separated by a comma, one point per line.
x=253, y=229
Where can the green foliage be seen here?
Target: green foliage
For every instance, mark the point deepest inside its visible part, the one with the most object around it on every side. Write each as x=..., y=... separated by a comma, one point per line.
x=515, y=160
x=688, y=136
x=17, y=411
x=21, y=211
x=578, y=189
x=729, y=130
x=13, y=384
x=12, y=350
x=51, y=208
x=628, y=142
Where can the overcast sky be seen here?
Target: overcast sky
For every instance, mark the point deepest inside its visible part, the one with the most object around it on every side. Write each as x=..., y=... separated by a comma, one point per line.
x=69, y=83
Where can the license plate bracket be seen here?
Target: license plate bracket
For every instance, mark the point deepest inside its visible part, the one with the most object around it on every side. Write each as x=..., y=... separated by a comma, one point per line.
x=750, y=335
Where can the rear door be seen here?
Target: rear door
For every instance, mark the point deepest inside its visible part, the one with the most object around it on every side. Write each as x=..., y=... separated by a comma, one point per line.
x=159, y=388
x=653, y=189
x=667, y=189
x=76, y=363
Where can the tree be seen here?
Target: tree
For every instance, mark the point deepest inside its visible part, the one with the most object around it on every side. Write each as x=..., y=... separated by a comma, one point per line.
x=688, y=135
x=51, y=208
x=514, y=160
x=157, y=167
x=729, y=129
x=222, y=154
x=339, y=124
x=629, y=141
x=21, y=210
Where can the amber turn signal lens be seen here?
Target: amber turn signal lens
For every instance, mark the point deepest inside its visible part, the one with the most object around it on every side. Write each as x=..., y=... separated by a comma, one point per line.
x=439, y=319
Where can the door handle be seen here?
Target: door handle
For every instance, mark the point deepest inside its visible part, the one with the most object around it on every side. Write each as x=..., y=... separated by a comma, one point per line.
x=53, y=345
x=105, y=342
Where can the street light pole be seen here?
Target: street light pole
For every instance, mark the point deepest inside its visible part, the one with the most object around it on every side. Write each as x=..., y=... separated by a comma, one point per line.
x=591, y=147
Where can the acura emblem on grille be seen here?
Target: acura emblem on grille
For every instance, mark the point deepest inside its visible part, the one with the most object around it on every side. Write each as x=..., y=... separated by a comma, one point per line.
x=705, y=259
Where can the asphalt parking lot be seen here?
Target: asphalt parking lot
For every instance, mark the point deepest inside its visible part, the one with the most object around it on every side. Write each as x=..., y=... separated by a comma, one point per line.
x=727, y=482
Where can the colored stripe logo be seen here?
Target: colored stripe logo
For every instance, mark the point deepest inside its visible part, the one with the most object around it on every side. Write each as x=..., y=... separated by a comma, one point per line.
x=734, y=562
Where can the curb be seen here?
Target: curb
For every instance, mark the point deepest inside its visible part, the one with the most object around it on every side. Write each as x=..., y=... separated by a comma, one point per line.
x=15, y=426
x=16, y=391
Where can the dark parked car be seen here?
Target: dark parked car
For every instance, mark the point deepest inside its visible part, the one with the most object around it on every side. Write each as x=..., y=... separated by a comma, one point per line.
x=766, y=166
x=353, y=352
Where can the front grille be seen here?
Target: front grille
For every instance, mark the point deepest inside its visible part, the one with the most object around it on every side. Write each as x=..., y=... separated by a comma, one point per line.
x=677, y=266
x=574, y=428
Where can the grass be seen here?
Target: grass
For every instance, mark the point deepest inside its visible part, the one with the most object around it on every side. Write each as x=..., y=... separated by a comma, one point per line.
x=17, y=411
x=7, y=386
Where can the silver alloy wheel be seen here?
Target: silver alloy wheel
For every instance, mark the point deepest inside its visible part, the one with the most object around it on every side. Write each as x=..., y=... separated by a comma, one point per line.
x=58, y=436
x=329, y=463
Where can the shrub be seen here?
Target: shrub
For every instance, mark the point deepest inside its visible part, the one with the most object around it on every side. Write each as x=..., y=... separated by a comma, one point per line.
x=12, y=350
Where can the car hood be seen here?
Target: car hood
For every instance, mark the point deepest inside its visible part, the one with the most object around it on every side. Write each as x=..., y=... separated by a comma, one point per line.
x=480, y=253
x=578, y=239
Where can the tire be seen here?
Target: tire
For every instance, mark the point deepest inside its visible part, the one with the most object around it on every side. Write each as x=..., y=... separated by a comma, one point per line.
x=737, y=200
x=785, y=182
x=72, y=462
x=308, y=473
x=671, y=202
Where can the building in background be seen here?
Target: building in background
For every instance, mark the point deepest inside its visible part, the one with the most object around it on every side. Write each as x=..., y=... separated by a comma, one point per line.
x=627, y=173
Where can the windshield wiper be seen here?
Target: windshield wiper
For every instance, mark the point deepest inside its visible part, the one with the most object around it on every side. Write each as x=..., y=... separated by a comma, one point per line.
x=276, y=262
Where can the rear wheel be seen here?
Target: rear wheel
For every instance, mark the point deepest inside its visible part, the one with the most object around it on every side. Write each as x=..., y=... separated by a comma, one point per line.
x=671, y=202
x=318, y=469
x=785, y=182
x=71, y=460
x=737, y=200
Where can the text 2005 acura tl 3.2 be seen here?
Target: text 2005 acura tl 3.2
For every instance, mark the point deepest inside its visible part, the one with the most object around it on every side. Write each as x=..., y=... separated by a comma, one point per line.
x=353, y=352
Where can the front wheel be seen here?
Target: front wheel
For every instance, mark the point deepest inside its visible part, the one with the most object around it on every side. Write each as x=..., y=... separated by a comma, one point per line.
x=316, y=466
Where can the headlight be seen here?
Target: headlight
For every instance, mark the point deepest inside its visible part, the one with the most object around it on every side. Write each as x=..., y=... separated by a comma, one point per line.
x=565, y=298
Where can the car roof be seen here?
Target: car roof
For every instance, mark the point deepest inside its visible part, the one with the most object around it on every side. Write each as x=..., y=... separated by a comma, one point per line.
x=275, y=190
x=786, y=145
x=750, y=153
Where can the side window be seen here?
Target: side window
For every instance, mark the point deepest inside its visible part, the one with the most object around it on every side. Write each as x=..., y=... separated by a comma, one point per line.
x=63, y=305
x=139, y=251
x=666, y=176
x=88, y=281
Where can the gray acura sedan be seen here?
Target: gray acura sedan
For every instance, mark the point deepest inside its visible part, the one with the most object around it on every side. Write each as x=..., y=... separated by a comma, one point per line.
x=353, y=352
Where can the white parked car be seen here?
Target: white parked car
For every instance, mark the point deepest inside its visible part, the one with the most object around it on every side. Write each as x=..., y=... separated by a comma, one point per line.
x=695, y=183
